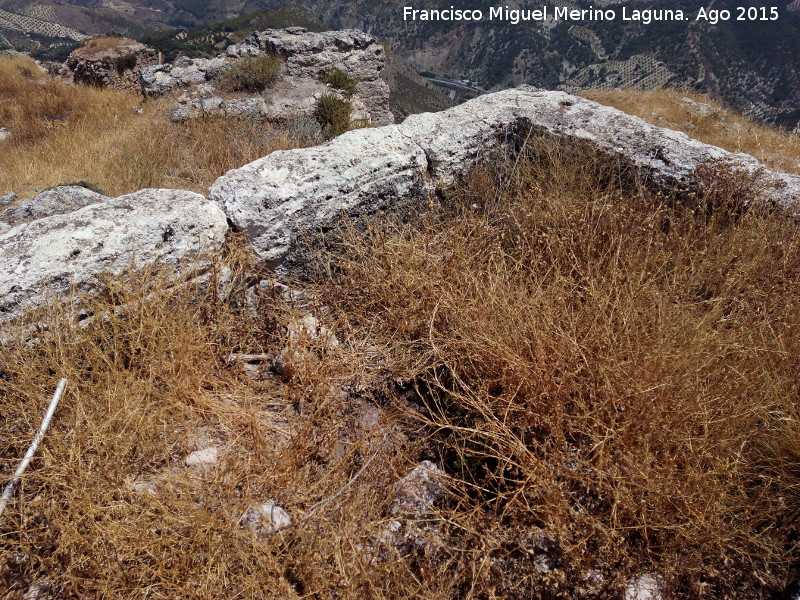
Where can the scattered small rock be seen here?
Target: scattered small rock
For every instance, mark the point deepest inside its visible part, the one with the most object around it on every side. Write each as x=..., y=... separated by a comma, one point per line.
x=701, y=108
x=39, y=591
x=6, y=199
x=310, y=328
x=4, y=133
x=266, y=519
x=143, y=487
x=419, y=490
x=201, y=458
x=649, y=586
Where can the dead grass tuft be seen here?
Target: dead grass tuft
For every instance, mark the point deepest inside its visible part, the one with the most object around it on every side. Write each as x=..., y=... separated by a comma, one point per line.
x=110, y=510
x=709, y=121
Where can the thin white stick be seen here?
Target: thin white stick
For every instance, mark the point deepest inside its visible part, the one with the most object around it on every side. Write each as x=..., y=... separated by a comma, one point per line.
x=34, y=445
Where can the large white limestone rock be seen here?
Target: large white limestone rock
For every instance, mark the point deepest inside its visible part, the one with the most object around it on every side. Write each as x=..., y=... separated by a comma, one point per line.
x=275, y=198
x=456, y=138
x=48, y=256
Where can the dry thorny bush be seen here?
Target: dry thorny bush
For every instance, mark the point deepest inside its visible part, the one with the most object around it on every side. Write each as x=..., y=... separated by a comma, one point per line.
x=609, y=379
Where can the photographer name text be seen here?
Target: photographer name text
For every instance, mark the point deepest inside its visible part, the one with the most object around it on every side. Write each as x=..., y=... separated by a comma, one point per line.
x=543, y=13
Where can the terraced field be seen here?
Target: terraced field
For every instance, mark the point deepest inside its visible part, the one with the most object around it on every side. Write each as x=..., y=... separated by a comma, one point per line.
x=641, y=71
x=36, y=18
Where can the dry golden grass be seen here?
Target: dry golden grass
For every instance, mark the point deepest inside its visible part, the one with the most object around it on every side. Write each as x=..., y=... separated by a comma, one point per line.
x=718, y=125
x=614, y=374
x=148, y=383
x=609, y=380
x=63, y=133
x=599, y=374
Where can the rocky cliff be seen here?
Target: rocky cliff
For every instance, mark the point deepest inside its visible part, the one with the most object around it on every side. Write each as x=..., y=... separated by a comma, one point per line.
x=750, y=63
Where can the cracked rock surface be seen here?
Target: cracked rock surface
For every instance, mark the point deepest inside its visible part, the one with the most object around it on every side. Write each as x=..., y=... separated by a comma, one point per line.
x=51, y=255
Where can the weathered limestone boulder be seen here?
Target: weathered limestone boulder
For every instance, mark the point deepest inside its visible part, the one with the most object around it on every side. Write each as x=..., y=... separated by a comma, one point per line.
x=156, y=80
x=109, y=62
x=277, y=197
x=55, y=201
x=363, y=171
x=306, y=56
x=663, y=157
x=50, y=255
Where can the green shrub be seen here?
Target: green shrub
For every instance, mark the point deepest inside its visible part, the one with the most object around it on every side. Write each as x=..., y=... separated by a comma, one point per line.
x=251, y=74
x=339, y=79
x=333, y=114
x=84, y=184
x=126, y=62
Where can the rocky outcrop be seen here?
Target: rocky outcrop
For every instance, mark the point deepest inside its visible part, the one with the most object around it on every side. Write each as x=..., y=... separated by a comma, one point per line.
x=293, y=195
x=55, y=201
x=306, y=56
x=54, y=254
x=113, y=63
x=156, y=80
x=276, y=198
x=362, y=171
x=309, y=54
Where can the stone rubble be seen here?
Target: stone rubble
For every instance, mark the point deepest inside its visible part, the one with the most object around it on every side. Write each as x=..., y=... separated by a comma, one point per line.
x=649, y=586
x=202, y=458
x=306, y=55
x=266, y=519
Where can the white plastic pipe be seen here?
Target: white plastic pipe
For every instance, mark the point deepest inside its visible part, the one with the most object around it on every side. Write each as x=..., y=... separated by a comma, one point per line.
x=34, y=445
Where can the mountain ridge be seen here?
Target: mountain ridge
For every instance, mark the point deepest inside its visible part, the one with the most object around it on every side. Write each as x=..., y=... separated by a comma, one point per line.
x=751, y=64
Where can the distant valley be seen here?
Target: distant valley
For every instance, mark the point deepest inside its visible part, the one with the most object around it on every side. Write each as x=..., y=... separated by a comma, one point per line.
x=752, y=65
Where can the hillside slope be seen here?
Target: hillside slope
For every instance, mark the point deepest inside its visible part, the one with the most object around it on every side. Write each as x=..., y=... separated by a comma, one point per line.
x=751, y=64
x=496, y=398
